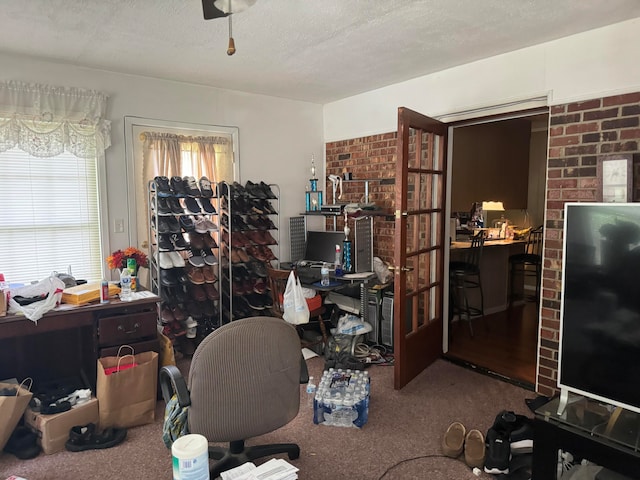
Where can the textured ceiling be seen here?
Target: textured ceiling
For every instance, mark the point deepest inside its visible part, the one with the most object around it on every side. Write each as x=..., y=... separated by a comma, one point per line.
x=313, y=50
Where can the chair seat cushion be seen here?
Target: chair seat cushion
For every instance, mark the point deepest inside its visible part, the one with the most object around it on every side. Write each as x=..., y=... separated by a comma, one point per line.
x=463, y=267
x=525, y=258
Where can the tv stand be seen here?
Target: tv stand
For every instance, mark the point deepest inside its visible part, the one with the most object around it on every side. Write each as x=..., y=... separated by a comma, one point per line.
x=588, y=430
x=565, y=400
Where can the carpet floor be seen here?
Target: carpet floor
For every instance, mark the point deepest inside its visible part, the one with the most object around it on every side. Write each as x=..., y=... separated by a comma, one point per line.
x=400, y=441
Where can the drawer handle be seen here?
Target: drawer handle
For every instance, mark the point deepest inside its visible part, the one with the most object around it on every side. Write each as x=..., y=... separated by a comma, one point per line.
x=136, y=326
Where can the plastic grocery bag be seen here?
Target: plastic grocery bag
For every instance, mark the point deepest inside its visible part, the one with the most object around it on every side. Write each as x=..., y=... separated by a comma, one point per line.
x=294, y=305
x=51, y=291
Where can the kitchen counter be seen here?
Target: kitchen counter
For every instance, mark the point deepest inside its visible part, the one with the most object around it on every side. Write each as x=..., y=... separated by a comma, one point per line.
x=494, y=270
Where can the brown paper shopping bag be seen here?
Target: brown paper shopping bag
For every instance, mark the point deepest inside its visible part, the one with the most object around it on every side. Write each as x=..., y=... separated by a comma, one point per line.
x=127, y=397
x=13, y=402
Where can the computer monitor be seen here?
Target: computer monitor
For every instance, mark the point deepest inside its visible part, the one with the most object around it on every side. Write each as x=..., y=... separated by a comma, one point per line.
x=321, y=246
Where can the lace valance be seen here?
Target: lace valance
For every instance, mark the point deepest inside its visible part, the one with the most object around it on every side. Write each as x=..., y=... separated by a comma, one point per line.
x=45, y=121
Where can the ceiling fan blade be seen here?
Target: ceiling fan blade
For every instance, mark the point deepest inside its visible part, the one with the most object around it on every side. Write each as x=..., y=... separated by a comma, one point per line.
x=210, y=10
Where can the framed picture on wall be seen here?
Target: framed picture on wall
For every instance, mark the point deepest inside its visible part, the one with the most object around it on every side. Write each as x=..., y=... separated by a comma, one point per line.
x=615, y=178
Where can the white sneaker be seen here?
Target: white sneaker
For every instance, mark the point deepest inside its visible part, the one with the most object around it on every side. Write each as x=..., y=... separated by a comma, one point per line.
x=176, y=260
x=164, y=260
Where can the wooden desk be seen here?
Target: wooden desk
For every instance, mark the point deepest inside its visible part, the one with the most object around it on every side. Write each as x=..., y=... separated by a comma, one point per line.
x=65, y=342
x=494, y=269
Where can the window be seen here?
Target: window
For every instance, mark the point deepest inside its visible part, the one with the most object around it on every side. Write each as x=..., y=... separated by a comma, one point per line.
x=52, y=143
x=50, y=220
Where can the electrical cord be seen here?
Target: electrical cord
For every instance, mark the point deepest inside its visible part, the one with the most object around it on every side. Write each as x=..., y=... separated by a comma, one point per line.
x=374, y=354
x=436, y=455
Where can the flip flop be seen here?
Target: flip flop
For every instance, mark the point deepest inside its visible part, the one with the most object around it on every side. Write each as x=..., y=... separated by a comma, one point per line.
x=85, y=437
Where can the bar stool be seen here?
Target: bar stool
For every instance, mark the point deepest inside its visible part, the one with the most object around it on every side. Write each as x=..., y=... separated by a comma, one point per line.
x=527, y=264
x=464, y=277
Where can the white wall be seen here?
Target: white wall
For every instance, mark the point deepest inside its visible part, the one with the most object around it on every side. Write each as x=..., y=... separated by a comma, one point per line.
x=277, y=136
x=594, y=64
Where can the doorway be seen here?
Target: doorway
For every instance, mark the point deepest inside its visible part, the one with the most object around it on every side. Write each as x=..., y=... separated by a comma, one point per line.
x=500, y=160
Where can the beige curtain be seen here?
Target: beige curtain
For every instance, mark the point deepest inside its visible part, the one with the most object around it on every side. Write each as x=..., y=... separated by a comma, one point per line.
x=168, y=154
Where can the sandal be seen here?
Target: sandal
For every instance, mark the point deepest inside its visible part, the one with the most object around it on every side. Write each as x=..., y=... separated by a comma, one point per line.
x=87, y=438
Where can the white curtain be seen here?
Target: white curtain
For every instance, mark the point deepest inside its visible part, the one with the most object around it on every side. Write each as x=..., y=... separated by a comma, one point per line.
x=45, y=121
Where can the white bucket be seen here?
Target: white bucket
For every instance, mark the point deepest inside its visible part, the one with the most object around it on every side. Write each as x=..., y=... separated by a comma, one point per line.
x=190, y=458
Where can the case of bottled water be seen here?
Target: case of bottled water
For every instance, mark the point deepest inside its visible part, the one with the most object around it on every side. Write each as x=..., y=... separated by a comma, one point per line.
x=342, y=398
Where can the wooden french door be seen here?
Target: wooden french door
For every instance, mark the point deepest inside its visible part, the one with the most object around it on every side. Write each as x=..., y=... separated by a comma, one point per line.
x=419, y=243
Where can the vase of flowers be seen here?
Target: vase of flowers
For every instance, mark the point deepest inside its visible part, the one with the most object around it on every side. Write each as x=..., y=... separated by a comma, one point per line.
x=118, y=259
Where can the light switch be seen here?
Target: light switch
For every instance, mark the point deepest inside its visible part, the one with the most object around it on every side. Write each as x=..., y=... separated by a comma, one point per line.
x=118, y=225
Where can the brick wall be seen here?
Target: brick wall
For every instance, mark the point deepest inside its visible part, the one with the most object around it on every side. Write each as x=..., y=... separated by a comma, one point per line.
x=580, y=133
x=372, y=157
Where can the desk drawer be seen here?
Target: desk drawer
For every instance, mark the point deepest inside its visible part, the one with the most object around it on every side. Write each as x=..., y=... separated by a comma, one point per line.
x=138, y=347
x=125, y=329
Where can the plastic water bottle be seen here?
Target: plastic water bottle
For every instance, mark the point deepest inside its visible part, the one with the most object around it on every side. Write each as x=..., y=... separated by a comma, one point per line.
x=311, y=390
x=324, y=271
x=125, y=285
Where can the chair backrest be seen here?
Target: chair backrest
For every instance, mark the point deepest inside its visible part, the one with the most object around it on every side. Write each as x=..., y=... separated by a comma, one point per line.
x=534, y=242
x=244, y=379
x=277, y=284
x=474, y=253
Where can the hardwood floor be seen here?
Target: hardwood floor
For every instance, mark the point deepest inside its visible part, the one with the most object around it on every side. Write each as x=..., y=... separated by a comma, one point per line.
x=502, y=344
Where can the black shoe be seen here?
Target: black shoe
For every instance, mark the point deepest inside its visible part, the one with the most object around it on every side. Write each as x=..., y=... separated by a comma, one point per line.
x=87, y=438
x=167, y=278
x=178, y=241
x=192, y=205
x=498, y=452
x=162, y=225
x=267, y=190
x=255, y=190
x=195, y=258
x=174, y=206
x=255, y=301
x=161, y=206
x=178, y=186
x=187, y=224
x=207, y=206
x=173, y=225
x=505, y=422
x=521, y=438
x=163, y=187
x=22, y=443
x=164, y=244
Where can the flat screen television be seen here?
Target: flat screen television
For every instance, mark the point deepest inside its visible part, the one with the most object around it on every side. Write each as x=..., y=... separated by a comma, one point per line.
x=599, y=354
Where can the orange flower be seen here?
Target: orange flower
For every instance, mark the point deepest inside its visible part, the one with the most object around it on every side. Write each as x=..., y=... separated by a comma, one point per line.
x=118, y=259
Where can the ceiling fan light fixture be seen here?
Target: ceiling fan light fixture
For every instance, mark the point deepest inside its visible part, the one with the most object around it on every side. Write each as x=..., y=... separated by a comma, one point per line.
x=231, y=48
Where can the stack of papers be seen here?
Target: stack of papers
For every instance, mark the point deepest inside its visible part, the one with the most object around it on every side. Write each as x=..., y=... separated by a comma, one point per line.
x=274, y=469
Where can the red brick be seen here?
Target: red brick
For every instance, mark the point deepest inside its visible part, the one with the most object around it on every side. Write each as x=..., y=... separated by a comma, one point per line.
x=564, y=141
x=633, y=133
x=621, y=99
x=587, y=127
x=587, y=105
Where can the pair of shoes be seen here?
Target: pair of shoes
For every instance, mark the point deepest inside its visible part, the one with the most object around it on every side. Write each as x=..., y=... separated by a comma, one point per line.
x=456, y=439
x=22, y=443
x=86, y=437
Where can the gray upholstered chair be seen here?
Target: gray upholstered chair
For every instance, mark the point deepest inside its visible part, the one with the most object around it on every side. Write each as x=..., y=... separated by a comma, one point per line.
x=244, y=381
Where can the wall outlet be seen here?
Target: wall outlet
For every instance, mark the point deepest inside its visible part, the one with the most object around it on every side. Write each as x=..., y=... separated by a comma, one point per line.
x=118, y=225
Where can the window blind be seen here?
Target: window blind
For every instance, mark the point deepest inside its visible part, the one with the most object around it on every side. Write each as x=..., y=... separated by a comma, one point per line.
x=49, y=217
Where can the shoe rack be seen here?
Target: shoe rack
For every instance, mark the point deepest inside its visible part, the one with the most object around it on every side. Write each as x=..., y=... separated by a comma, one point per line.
x=249, y=241
x=184, y=236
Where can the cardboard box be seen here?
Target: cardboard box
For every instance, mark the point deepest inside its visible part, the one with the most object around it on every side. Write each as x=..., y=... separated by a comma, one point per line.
x=87, y=293
x=53, y=430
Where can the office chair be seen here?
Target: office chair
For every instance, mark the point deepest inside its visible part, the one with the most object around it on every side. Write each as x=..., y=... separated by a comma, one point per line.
x=464, y=275
x=278, y=284
x=527, y=264
x=244, y=381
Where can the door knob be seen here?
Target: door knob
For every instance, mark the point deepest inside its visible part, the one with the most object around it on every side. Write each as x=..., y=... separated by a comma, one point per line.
x=402, y=269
